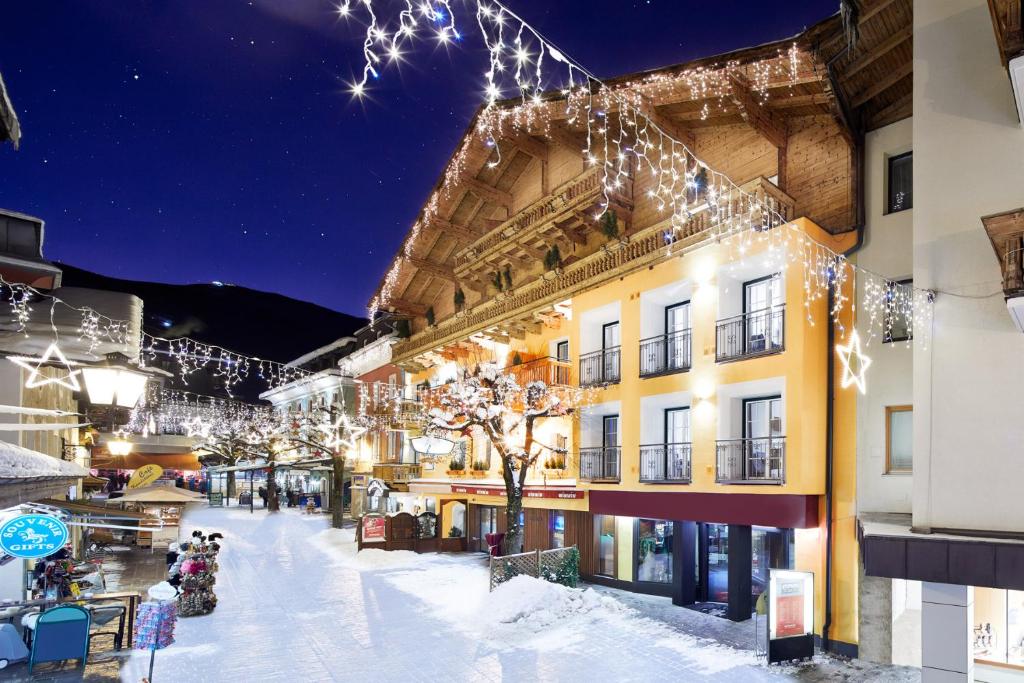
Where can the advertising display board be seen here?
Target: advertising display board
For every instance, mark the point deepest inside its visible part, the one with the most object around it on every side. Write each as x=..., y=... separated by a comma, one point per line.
x=790, y=615
x=33, y=536
x=374, y=529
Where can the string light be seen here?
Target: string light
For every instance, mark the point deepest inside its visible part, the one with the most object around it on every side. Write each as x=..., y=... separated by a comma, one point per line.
x=521, y=60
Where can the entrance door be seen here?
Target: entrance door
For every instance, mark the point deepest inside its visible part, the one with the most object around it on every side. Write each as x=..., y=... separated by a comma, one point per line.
x=714, y=584
x=762, y=423
x=488, y=524
x=763, y=324
x=677, y=342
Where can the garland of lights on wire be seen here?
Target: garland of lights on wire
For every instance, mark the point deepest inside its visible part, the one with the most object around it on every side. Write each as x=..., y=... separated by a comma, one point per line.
x=523, y=64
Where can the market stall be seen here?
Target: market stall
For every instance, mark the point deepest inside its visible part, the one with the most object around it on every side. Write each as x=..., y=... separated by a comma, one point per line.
x=164, y=506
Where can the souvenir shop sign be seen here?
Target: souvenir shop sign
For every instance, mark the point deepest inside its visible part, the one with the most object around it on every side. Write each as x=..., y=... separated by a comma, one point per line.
x=790, y=615
x=374, y=529
x=33, y=536
x=562, y=494
x=145, y=475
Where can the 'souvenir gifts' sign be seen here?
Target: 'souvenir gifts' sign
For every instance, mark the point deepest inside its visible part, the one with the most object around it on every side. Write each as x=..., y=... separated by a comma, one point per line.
x=33, y=536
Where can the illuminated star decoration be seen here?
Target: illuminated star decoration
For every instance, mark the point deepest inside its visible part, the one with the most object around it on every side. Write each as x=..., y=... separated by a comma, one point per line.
x=344, y=433
x=851, y=355
x=197, y=427
x=37, y=379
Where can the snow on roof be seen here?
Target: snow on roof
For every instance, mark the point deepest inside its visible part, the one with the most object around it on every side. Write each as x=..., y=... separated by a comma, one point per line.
x=23, y=464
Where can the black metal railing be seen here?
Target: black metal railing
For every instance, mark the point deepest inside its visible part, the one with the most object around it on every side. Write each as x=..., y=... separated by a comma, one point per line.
x=756, y=461
x=665, y=462
x=665, y=353
x=600, y=367
x=600, y=463
x=751, y=334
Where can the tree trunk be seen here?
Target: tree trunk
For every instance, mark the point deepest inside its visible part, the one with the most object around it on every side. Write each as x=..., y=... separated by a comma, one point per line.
x=338, y=491
x=273, y=505
x=231, y=485
x=513, y=541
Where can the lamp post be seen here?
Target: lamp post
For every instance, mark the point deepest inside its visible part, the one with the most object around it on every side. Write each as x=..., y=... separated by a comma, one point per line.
x=114, y=384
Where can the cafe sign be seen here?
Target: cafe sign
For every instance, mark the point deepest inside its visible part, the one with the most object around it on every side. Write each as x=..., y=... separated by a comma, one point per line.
x=33, y=536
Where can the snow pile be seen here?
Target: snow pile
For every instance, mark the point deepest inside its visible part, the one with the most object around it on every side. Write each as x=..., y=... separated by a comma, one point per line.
x=21, y=463
x=536, y=603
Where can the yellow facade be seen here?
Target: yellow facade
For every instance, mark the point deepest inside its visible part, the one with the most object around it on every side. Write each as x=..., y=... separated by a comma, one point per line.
x=800, y=371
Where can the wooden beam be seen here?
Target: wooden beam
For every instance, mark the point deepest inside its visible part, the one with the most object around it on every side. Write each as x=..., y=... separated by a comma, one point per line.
x=757, y=116
x=880, y=86
x=783, y=102
x=537, y=149
x=474, y=284
x=532, y=252
x=488, y=193
x=439, y=270
x=866, y=15
x=892, y=111
x=572, y=140
x=406, y=306
x=570, y=232
x=880, y=50
x=463, y=233
x=668, y=126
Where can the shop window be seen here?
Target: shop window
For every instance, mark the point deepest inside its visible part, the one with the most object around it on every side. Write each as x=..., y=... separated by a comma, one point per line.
x=771, y=548
x=557, y=529
x=654, y=551
x=606, y=550
x=895, y=321
x=901, y=183
x=899, y=433
x=998, y=634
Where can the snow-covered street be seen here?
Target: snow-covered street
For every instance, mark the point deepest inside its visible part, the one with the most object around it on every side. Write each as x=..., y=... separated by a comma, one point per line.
x=295, y=601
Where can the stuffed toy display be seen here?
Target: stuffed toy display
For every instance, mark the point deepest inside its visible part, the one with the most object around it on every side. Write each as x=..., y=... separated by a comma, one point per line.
x=193, y=574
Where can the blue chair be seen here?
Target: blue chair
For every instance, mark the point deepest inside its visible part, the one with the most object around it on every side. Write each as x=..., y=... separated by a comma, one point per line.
x=61, y=633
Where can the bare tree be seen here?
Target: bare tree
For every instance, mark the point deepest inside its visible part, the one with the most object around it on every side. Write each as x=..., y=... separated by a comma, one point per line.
x=493, y=400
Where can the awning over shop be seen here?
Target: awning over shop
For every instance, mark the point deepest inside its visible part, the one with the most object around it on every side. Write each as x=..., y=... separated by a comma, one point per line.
x=133, y=461
x=82, y=509
x=158, y=494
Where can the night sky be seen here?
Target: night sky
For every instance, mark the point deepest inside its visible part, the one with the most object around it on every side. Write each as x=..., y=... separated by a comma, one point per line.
x=199, y=140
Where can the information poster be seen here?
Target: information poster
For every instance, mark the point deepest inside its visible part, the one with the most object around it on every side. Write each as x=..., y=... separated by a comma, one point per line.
x=791, y=607
x=374, y=529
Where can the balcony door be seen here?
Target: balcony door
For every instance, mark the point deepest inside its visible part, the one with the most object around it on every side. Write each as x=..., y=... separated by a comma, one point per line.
x=610, y=446
x=677, y=438
x=610, y=341
x=677, y=321
x=762, y=424
x=763, y=325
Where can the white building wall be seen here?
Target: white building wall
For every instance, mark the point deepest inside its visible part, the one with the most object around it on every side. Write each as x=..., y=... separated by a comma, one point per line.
x=888, y=251
x=969, y=380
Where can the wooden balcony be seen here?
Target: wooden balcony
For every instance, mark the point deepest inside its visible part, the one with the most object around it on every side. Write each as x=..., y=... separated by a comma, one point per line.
x=617, y=258
x=395, y=473
x=1006, y=233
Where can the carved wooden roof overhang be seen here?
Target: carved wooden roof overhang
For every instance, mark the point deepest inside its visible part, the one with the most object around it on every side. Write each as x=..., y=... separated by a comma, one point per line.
x=1006, y=22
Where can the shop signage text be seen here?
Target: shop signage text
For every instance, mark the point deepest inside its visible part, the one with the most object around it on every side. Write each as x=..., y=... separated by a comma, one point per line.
x=527, y=493
x=374, y=529
x=145, y=475
x=33, y=536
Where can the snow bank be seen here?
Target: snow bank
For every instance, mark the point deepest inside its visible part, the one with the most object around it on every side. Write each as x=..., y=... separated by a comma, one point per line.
x=22, y=463
x=536, y=603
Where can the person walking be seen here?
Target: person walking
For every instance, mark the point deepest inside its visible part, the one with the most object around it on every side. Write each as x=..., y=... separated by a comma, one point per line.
x=263, y=495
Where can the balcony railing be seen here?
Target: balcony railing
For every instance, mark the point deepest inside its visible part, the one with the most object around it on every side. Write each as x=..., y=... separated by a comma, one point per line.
x=756, y=333
x=665, y=463
x=600, y=463
x=551, y=371
x=395, y=473
x=752, y=461
x=665, y=354
x=600, y=367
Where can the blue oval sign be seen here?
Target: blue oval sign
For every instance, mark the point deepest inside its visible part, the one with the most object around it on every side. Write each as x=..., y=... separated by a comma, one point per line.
x=33, y=536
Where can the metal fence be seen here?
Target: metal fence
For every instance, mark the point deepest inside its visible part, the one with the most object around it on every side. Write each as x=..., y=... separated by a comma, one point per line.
x=752, y=460
x=600, y=367
x=665, y=462
x=665, y=353
x=600, y=463
x=751, y=334
x=560, y=565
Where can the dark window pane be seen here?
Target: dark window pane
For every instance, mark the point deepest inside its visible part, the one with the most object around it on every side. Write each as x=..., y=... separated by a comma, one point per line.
x=901, y=183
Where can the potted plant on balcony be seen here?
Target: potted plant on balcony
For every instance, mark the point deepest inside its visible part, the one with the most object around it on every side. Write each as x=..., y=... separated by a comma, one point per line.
x=609, y=225
x=431, y=318
x=553, y=261
x=459, y=299
x=554, y=466
x=479, y=469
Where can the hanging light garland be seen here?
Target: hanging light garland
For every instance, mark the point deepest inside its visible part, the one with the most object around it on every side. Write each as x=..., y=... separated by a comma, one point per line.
x=546, y=83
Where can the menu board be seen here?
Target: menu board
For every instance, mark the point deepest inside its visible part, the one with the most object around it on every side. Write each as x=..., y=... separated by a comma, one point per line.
x=374, y=529
x=791, y=595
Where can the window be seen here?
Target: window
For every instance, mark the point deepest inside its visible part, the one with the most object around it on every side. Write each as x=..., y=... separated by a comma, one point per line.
x=998, y=629
x=901, y=183
x=458, y=459
x=762, y=301
x=654, y=551
x=896, y=315
x=562, y=351
x=557, y=529
x=899, y=433
x=606, y=551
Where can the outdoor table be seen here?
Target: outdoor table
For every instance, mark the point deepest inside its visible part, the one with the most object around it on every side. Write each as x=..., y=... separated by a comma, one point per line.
x=133, y=600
